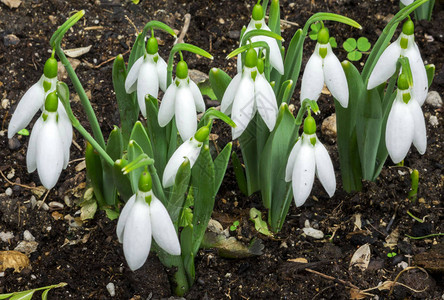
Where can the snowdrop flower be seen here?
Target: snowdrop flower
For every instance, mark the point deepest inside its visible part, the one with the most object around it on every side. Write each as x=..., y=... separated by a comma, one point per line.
x=247, y=92
x=324, y=67
x=34, y=99
x=404, y=46
x=181, y=100
x=258, y=22
x=48, y=149
x=143, y=217
x=308, y=157
x=190, y=150
x=147, y=74
x=405, y=124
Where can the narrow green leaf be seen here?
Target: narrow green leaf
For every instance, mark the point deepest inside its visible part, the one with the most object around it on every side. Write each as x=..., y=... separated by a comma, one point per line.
x=114, y=148
x=5, y=296
x=26, y=295
x=430, y=70
x=363, y=44
x=159, y=25
x=139, y=135
x=274, y=18
x=219, y=82
x=134, y=150
x=94, y=172
x=349, y=45
x=60, y=32
x=212, y=114
x=220, y=165
x=121, y=181
x=138, y=50
x=178, y=193
x=206, y=90
x=128, y=107
x=186, y=238
x=239, y=173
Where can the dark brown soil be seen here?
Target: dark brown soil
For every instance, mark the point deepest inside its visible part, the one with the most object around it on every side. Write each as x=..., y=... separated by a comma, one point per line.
x=89, y=257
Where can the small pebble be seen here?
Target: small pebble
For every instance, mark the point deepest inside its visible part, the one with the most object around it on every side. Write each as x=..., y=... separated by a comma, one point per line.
x=221, y=21
x=27, y=236
x=67, y=201
x=13, y=144
x=11, y=174
x=234, y=34
x=42, y=205
x=433, y=120
x=33, y=201
x=6, y=236
x=2, y=274
x=111, y=289
x=10, y=40
x=8, y=191
x=56, y=205
x=33, y=277
x=5, y=103
x=328, y=127
x=434, y=99
x=403, y=265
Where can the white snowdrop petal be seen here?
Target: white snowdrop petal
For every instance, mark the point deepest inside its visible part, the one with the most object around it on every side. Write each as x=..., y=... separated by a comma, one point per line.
x=243, y=106
x=32, y=146
x=228, y=98
x=419, y=74
x=162, y=72
x=399, y=131
x=265, y=101
x=313, y=78
x=335, y=79
x=386, y=65
x=163, y=229
x=28, y=106
x=169, y=174
x=49, y=152
x=185, y=112
x=137, y=235
x=148, y=83
x=65, y=129
x=324, y=168
x=407, y=2
x=166, y=109
x=291, y=161
x=132, y=76
x=303, y=174
x=197, y=95
x=419, y=132
x=124, y=217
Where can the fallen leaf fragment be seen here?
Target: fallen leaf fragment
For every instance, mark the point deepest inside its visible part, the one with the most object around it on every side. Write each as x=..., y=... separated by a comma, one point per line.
x=12, y=3
x=361, y=257
x=301, y=260
x=13, y=259
x=77, y=52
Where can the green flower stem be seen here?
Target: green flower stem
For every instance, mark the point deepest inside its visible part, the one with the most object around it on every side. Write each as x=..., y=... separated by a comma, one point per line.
x=83, y=98
x=424, y=237
x=183, y=47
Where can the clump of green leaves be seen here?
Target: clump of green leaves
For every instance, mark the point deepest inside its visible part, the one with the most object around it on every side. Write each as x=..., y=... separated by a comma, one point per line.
x=356, y=48
x=315, y=27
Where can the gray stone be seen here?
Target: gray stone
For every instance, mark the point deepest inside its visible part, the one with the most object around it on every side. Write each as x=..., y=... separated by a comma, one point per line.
x=434, y=99
x=433, y=120
x=10, y=40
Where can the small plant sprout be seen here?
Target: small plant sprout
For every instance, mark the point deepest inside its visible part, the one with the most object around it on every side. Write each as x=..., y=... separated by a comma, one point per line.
x=404, y=46
x=324, y=67
x=48, y=149
x=142, y=218
x=405, y=123
x=391, y=254
x=234, y=226
x=148, y=74
x=414, y=177
x=181, y=100
x=308, y=157
x=356, y=48
x=258, y=22
x=247, y=92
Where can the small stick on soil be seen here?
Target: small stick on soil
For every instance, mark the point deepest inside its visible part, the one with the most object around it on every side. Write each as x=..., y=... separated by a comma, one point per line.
x=186, y=25
x=22, y=185
x=77, y=145
x=110, y=59
x=132, y=24
x=44, y=198
x=346, y=283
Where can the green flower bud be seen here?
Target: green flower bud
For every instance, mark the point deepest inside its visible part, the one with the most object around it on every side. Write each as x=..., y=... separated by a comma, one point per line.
x=309, y=125
x=182, y=70
x=323, y=36
x=260, y=65
x=50, y=69
x=145, y=182
x=51, y=102
x=151, y=46
x=258, y=12
x=251, y=58
x=202, y=134
x=403, y=83
x=408, y=28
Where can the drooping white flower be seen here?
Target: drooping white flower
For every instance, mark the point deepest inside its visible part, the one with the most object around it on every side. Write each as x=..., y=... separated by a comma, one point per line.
x=147, y=74
x=404, y=46
x=48, y=149
x=324, y=67
x=34, y=99
x=182, y=99
x=248, y=92
x=307, y=158
x=258, y=22
x=144, y=217
x=405, y=124
x=190, y=150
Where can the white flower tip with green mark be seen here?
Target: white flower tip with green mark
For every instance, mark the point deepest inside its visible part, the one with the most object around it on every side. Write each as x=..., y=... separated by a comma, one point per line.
x=407, y=2
x=139, y=222
x=190, y=150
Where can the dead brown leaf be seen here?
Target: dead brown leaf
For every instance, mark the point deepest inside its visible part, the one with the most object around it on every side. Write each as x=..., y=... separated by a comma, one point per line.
x=12, y=3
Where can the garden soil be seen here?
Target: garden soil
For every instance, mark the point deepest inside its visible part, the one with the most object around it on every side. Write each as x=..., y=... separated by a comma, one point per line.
x=87, y=256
